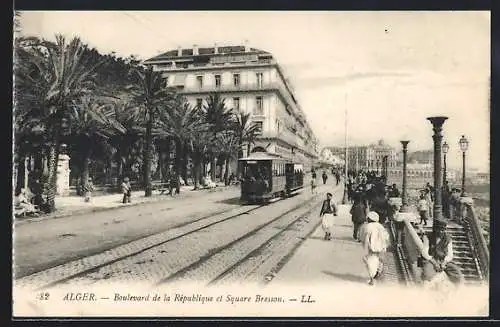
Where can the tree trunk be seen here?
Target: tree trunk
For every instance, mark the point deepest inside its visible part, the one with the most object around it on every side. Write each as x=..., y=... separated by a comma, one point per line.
x=226, y=171
x=161, y=158
x=148, y=156
x=196, y=170
x=185, y=160
x=178, y=157
x=86, y=166
x=240, y=155
x=166, y=160
x=19, y=173
x=50, y=187
x=38, y=161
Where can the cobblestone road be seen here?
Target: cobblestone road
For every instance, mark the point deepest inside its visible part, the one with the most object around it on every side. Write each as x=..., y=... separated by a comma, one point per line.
x=197, y=251
x=44, y=244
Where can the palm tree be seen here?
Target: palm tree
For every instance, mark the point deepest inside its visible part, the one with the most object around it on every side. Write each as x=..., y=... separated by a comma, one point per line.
x=219, y=117
x=149, y=93
x=91, y=126
x=183, y=123
x=58, y=75
x=127, y=115
x=246, y=131
x=227, y=144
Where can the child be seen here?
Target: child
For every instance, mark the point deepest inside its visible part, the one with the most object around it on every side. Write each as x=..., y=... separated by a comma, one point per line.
x=126, y=190
x=328, y=211
x=88, y=188
x=313, y=186
x=423, y=209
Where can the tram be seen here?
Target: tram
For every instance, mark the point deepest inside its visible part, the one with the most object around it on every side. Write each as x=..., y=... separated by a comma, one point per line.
x=267, y=175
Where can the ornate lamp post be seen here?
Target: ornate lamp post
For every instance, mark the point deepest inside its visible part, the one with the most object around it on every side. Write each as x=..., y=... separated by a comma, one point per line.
x=445, y=148
x=464, y=144
x=404, y=197
x=437, y=127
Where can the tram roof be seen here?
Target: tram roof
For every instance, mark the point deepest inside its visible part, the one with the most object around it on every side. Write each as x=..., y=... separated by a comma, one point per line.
x=263, y=156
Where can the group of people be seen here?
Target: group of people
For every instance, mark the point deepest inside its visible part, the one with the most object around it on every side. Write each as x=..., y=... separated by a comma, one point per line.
x=371, y=210
x=324, y=177
x=367, y=229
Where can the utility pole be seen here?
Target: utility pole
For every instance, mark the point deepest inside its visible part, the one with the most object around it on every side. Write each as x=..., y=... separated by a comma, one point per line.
x=344, y=198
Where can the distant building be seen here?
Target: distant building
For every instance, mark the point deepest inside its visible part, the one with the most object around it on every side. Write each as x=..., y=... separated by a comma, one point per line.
x=368, y=157
x=250, y=80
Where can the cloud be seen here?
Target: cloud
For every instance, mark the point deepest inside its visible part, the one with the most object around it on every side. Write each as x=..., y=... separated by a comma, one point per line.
x=327, y=81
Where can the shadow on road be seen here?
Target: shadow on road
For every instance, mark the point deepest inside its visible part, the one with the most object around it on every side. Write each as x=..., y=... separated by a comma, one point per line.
x=232, y=201
x=347, y=277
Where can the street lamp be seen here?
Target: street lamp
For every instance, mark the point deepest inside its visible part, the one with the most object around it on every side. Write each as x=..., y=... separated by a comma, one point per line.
x=437, y=126
x=445, y=149
x=464, y=144
x=404, y=197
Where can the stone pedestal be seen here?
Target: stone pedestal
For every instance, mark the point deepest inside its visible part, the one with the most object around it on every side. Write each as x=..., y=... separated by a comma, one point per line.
x=63, y=175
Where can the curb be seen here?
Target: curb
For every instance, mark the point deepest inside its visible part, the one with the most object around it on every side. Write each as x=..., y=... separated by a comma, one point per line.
x=17, y=222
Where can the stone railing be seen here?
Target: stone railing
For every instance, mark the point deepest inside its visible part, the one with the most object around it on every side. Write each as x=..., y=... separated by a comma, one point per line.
x=462, y=211
x=411, y=245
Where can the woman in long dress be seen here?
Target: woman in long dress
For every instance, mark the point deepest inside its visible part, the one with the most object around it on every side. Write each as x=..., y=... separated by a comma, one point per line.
x=328, y=211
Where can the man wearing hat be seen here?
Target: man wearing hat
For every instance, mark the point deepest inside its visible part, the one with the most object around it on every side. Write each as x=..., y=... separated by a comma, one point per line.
x=375, y=240
x=437, y=254
x=328, y=211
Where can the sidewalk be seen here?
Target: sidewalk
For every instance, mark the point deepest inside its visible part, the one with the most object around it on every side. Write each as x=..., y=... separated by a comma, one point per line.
x=342, y=253
x=75, y=205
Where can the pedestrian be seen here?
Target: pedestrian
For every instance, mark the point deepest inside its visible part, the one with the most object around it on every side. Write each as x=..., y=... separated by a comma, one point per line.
x=328, y=211
x=325, y=177
x=337, y=177
x=423, y=209
x=313, y=186
x=126, y=190
x=430, y=201
x=358, y=215
x=437, y=253
x=313, y=174
x=394, y=192
x=375, y=240
x=88, y=188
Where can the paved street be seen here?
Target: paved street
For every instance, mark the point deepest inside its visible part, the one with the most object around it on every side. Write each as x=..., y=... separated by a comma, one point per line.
x=45, y=243
x=198, y=243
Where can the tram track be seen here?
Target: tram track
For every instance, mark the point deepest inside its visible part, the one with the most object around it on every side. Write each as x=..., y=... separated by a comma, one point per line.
x=141, y=249
x=66, y=273
x=208, y=270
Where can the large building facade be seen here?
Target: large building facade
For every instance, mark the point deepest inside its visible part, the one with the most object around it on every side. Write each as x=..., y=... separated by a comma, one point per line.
x=368, y=157
x=250, y=81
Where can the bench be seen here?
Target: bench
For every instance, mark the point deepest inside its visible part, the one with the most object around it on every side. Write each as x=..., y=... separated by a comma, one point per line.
x=160, y=186
x=22, y=212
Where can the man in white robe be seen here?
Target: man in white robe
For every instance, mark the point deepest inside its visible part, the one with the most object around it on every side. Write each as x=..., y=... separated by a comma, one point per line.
x=375, y=240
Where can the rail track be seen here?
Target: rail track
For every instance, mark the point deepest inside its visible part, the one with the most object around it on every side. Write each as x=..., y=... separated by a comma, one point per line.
x=81, y=269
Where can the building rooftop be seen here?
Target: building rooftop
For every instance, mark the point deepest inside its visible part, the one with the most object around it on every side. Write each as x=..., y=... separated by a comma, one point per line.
x=206, y=51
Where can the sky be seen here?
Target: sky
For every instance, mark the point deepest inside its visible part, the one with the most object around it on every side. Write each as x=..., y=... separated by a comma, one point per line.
x=387, y=70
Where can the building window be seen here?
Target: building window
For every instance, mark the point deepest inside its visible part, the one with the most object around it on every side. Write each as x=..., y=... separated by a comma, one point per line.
x=236, y=80
x=199, y=80
x=199, y=103
x=260, y=79
x=217, y=81
x=259, y=109
x=259, y=127
x=236, y=103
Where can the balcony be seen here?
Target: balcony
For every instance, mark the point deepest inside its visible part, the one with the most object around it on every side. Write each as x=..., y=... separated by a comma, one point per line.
x=254, y=87
x=197, y=66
